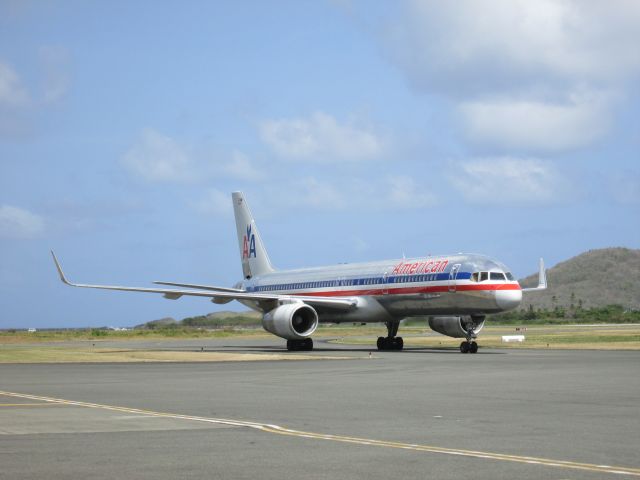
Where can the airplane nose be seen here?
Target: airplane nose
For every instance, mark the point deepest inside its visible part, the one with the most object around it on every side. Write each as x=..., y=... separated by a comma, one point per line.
x=508, y=299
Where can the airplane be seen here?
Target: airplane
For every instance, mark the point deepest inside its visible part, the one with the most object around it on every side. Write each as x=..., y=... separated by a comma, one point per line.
x=456, y=292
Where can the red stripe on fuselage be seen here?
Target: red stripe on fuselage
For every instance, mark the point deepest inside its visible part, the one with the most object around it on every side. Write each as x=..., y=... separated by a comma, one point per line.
x=412, y=290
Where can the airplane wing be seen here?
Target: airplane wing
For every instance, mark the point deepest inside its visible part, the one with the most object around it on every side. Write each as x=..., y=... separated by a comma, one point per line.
x=337, y=303
x=542, y=279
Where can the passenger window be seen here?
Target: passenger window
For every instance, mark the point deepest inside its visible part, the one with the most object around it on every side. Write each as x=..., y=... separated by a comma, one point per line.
x=484, y=276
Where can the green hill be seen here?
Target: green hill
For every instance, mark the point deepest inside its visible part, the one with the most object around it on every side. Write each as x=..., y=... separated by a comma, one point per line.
x=223, y=319
x=609, y=276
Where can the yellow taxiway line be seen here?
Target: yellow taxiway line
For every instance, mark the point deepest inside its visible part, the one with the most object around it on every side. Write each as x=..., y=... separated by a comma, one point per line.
x=276, y=429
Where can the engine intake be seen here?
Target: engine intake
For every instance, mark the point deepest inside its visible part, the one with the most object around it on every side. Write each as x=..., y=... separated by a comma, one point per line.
x=293, y=321
x=457, y=327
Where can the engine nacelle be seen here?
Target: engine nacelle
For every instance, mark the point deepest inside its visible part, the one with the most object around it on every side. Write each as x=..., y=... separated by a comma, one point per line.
x=457, y=327
x=293, y=321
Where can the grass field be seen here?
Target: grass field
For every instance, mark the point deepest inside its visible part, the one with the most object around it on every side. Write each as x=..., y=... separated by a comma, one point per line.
x=42, y=336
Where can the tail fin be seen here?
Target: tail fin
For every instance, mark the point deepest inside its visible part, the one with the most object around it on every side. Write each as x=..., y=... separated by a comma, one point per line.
x=255, y=260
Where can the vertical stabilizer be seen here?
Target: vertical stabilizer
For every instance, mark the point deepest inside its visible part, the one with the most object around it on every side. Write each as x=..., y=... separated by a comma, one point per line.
x=255, y=260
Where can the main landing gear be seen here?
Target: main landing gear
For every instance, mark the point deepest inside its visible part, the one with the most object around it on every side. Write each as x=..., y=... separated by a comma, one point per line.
x=468, y=347
x=391, y=342
x=305, y=344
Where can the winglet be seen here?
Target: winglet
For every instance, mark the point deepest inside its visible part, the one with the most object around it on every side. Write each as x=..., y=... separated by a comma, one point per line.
x=59, y=268
x=542, y=279
x=542, y=276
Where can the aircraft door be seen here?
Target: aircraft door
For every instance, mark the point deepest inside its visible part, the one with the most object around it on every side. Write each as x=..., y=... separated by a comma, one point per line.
x=453, y=275
x=385, y=286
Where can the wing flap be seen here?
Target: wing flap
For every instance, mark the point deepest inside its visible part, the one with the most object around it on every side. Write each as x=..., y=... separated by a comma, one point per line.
x=200, y=287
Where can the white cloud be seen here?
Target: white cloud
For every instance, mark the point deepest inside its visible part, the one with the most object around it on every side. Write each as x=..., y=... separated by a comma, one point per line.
x=306, y=193
x=542, y=126
x=535, y=75
x=158, y=158
x=321, y=138
x=468, y=46
x=503, y=180
x=19, y=108
x=19, y=223
x=12, y=92
x=355, y=194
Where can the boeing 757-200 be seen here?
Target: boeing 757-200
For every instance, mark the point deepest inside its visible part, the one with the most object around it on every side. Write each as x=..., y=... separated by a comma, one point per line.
x=455, y=292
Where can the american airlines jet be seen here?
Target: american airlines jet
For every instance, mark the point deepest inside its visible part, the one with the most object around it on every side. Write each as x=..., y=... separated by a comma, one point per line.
x=456, y=292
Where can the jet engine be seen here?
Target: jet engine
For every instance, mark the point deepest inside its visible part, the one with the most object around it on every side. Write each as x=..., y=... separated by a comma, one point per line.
x=457, y=327
x=293, y=321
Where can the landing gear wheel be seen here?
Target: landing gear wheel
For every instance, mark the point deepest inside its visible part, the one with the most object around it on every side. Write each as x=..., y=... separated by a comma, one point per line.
x=464, y=347
x=473, y=347
x=297, y=345
x=390, y=343
x=308, y=344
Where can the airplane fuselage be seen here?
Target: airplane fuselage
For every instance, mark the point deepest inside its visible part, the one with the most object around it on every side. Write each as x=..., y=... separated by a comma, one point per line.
x=395, y=289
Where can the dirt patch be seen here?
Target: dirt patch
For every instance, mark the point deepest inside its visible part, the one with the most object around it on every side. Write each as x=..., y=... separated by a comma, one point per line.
x=99, y=355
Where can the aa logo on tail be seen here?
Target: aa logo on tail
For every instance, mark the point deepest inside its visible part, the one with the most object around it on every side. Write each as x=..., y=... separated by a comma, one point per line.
x=249, y=244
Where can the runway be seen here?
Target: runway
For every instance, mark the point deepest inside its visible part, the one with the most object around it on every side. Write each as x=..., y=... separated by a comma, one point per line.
x=433, y=413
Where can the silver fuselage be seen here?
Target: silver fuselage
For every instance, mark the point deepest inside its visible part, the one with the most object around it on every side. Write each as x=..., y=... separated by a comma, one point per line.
x=390, y=290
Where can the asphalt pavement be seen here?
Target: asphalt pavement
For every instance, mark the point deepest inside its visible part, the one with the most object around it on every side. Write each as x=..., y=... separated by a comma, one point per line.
x=420, y=413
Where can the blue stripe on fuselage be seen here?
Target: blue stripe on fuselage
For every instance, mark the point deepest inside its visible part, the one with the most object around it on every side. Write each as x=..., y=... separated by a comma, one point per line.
x=357, y=282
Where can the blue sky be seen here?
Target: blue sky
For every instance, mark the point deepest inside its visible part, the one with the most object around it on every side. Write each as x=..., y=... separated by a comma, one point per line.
x=357, y=130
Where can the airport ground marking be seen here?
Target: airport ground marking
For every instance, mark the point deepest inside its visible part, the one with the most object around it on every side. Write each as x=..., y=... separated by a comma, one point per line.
x=277, y=429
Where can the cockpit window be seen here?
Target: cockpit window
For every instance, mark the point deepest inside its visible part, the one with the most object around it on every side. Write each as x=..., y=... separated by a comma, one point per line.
x=497, y=276
x=474, y=276
x=509, y=276
x=484, y=276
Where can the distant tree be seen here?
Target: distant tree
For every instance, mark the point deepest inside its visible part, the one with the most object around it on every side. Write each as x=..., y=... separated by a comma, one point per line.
x=531, y=313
